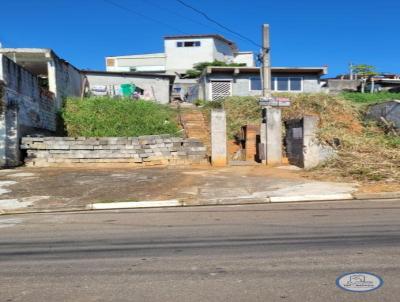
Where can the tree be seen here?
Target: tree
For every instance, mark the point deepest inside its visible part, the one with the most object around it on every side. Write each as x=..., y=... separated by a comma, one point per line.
x=364, y=70
x=199, y=67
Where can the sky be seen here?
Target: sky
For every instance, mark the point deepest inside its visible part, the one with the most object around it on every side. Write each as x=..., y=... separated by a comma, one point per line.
x=303, y=33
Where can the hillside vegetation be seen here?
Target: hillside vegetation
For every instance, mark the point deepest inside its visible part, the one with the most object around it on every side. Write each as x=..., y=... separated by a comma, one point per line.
x=370, y=98
x=102, y=116
x=364, y=151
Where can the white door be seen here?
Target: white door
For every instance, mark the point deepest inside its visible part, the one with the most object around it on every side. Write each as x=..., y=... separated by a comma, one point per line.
x=220, y=89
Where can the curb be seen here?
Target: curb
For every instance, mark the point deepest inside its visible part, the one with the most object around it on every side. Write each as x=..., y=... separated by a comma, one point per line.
x=134, y=204
x=212, y=202
x=383, y=195
x=299, y=198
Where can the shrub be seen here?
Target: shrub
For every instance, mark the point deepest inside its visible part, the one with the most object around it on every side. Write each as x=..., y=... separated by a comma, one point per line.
x=102, y=116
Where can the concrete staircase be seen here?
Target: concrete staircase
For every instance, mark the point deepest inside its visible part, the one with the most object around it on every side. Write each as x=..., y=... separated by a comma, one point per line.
x=195, y=126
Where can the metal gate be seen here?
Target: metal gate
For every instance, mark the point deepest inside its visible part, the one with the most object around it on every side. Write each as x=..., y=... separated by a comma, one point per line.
x=220, y=89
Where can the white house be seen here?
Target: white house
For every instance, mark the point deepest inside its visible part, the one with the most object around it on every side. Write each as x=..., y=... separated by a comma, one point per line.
x=181, y=53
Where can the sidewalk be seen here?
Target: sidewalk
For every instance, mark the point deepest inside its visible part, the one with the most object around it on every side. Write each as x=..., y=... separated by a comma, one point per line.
x=58, y=189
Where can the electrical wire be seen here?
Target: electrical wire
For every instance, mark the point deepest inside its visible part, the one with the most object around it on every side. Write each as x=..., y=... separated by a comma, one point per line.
x=218, y=23
x=143, y=16
x=178, y=14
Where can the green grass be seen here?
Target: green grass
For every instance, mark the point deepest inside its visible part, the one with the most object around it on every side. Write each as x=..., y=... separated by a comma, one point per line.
x=370, y=98
x=102, y=116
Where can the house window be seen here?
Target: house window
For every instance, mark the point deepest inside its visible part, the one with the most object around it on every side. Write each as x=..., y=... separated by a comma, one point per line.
x=192, y=43
x=282, y=84
x=287, y=84
x=188, y=44
x=255, y=83
x=295, y=84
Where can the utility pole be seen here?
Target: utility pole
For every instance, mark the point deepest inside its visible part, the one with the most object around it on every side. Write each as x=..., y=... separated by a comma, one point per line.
x=266, y=62
x=271, y=125
x=351, y=70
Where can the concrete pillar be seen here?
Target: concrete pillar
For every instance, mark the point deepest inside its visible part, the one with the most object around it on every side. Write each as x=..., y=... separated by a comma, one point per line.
x=219, y=153
x=311, y=146
x=273, y=136
x=2, y=139
x=51, y=74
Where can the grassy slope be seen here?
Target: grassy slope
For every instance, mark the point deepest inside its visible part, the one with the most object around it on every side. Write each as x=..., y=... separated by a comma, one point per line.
x=365, y=152
x=99, y=117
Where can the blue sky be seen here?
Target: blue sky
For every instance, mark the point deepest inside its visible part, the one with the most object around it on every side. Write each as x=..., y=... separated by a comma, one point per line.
x=303, y=33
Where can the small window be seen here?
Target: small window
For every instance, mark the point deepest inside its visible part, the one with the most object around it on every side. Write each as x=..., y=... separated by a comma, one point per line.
x=283, y=84
x=255, y=83
x=295, y=84
x=273, y=84
x=189, y=44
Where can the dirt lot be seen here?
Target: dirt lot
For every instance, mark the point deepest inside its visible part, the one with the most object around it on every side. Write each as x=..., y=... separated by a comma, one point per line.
x=60, y=188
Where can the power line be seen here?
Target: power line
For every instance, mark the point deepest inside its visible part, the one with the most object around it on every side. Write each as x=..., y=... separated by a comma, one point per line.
x=178, y=14
x=143, y=16
x=217, y=23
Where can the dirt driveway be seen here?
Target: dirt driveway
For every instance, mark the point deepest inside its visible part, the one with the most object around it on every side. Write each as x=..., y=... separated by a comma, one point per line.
x=72, y=188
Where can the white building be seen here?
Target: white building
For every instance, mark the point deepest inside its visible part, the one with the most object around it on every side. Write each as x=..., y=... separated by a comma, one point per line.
x=181, y=53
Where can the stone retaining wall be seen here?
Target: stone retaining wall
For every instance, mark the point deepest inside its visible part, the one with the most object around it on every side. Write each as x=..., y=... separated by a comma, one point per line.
x=132, y=151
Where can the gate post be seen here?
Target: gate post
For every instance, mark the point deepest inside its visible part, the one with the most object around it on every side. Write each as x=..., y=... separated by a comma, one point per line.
x=273, y=136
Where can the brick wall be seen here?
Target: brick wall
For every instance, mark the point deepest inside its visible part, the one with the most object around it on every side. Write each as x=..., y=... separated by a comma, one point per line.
x=132, y=151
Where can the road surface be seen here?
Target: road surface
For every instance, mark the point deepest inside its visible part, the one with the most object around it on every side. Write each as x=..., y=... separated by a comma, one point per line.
x=284, y=252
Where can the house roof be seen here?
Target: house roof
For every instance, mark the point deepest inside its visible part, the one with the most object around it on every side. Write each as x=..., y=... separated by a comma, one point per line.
x=256, y=70
x=130, y=74
x=215, y=36
x=33, y=59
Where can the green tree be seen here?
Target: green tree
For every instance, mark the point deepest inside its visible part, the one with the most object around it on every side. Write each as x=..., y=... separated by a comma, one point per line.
x=199, y=67
x=364, y=70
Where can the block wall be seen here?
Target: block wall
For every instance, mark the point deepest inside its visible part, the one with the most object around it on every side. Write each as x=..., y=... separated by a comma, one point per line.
x=132, y=151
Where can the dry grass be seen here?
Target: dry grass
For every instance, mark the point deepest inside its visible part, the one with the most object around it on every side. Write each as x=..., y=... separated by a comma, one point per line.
x=364, y=152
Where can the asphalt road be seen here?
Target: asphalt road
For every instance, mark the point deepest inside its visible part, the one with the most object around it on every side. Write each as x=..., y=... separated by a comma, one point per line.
x=237, y=253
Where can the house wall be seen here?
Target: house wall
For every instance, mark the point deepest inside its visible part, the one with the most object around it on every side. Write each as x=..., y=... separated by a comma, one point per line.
x=181, y=59
x=157, y=88
x=147, y=62
x=338, y=85
x=222, y=51
x=245, y=58
x=25, y=109
x=241, y=83
x=68, y=80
